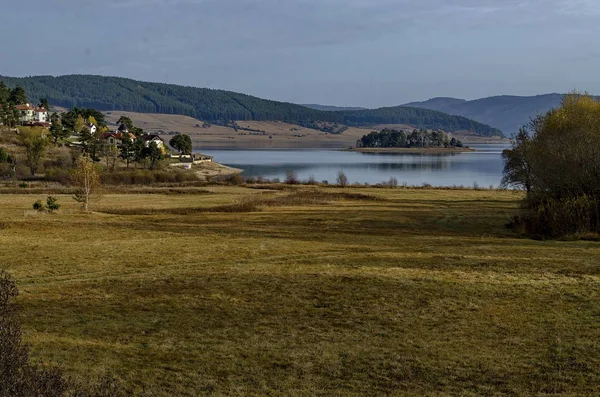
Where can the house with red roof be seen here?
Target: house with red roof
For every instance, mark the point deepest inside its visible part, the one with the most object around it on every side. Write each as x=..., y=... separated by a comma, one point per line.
x=29, y=114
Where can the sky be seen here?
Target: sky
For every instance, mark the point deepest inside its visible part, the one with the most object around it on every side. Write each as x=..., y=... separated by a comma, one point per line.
x=367, y=53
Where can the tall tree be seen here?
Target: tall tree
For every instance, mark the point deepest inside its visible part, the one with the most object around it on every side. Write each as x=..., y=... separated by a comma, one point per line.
x=518, y=170
x=79, y=125
x=182, y=143
x=58, y=132
x=86, y=179
x=18, y=96
x=556, y=159
x=4, y=92
x=154, y=154
x=127, y=149
x=34, y=140
x=126, y=121
x=44, y=103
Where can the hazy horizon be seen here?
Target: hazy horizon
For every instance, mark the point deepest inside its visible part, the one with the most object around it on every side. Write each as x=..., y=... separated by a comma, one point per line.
x=331, y=52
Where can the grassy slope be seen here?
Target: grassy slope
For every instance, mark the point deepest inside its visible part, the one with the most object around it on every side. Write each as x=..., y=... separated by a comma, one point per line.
x=421, y=293
x=283, y=135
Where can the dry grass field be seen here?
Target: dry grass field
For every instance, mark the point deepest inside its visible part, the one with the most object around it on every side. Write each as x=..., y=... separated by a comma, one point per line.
x=231, y=291
x=276, y=134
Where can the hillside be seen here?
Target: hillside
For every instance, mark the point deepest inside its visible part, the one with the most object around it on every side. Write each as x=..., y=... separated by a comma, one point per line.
x=120, y=94
x=507, y=113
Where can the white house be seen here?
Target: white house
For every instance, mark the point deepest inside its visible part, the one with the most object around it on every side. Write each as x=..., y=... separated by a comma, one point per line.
x=41, y=115
x=149, y=138
x=31, y=114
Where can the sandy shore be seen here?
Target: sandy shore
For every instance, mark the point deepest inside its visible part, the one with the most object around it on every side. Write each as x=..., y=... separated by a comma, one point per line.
x=210, y=170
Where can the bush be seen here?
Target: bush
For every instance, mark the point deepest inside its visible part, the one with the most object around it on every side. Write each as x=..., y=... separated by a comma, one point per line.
x=39, y=206
x=59, y=175
x=147, y=177
x=234, y=179
x=342, y=179
x=552, y=218
x=291, y=178
x=52, y=204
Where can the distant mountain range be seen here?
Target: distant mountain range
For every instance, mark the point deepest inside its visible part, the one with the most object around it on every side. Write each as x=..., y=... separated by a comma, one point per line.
x=507, y=113
x=115, y=93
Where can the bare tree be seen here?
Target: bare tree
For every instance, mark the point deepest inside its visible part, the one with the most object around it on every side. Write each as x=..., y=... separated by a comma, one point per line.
x=86, y=178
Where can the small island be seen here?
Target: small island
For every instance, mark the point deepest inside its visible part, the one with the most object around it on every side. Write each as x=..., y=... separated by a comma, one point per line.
x=415, y=141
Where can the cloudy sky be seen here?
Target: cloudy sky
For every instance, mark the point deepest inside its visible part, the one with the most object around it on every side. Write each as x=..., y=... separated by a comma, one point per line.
x=343, y=52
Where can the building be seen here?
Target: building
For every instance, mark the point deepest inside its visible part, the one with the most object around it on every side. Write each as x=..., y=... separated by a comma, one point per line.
x=115, y=138
x=149, y=138
x=29, y=114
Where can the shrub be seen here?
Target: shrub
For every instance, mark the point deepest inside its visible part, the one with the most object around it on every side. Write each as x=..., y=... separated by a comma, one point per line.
x=311, y=180
x=23, y=185
x=39, y=206
x=551, y=218
x=342, y=179
x=234, y=179
x=52, y=204
x=291, y=178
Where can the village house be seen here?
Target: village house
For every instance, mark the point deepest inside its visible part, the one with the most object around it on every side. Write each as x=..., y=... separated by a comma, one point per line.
x=115, y=138
x=149, y=138
x=29, y=114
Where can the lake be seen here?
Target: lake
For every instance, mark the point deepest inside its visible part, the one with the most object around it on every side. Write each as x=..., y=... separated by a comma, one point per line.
x=483, y=166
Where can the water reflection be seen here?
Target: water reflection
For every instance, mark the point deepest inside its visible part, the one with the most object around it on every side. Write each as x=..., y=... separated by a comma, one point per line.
x=483, y=167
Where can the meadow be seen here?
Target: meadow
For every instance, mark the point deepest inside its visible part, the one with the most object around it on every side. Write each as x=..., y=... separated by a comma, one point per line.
x=310, y=291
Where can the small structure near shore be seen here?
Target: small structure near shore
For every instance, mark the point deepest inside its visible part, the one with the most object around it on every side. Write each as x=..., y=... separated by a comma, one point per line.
x=187, y=160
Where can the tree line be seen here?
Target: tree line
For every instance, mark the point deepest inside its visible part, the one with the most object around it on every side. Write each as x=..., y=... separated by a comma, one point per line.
x=388, y=138
x=217, y=106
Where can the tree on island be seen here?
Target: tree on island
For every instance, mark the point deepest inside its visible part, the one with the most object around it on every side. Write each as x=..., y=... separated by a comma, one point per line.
x=402, y=139
x=182, y=143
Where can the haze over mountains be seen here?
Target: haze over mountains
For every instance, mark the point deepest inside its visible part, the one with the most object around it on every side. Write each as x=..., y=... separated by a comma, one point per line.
x=507, y=113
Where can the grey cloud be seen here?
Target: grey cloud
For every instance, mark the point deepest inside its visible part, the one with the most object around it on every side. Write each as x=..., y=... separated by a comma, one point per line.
x=352, y=52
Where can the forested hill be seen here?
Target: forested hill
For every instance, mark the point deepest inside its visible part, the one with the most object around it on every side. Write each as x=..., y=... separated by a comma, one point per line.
x=507, y=113
x=115, y=93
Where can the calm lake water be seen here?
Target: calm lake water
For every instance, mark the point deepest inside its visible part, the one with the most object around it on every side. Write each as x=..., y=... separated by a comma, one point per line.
x=483, y=167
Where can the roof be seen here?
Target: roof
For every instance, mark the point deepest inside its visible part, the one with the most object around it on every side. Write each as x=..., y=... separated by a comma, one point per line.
x=25, y=107
x=107, y=135
x=151, y=137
